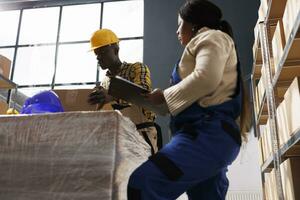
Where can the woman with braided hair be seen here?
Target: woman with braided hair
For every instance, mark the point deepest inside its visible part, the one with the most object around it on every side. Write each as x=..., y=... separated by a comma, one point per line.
x=207, y=105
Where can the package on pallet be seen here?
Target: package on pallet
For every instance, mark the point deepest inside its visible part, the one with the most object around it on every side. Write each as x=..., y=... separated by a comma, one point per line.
x=4, y=66
x=77, y=100
x=72, y=155
x=3, y=107
x=292, y=106
x=290, y=176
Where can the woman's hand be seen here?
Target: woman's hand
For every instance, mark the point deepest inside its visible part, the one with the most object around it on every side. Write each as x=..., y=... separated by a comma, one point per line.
x=156, y=97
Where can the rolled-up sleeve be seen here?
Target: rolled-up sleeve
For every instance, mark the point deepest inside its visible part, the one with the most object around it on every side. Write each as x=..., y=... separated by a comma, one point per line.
x=210, y=53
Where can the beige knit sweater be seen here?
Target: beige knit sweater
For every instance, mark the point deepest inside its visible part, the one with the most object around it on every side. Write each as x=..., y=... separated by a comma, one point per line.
x=208, y=69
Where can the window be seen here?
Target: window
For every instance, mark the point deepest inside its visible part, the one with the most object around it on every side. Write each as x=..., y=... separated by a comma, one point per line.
x=50, y=44
x=9, y=27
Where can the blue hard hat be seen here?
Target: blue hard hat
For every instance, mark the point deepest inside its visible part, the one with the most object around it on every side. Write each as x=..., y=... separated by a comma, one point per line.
x=43, y=102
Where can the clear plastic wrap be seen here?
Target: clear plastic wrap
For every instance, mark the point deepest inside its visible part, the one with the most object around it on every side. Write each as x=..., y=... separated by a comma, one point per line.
x=76, y=155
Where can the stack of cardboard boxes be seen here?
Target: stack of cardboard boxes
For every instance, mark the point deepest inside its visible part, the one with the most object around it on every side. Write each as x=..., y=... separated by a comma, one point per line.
x=284, y=36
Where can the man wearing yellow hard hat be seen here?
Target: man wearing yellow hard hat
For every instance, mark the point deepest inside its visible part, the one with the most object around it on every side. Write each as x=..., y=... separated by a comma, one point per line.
x=105, y=45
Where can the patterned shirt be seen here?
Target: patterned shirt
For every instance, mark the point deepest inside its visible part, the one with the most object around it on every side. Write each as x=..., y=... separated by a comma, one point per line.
x=139, y=74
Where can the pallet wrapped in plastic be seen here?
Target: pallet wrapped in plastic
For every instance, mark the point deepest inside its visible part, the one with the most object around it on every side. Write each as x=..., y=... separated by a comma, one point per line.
x=76, y=155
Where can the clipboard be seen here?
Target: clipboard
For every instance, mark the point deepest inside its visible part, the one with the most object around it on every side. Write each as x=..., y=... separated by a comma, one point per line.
x=121, y=88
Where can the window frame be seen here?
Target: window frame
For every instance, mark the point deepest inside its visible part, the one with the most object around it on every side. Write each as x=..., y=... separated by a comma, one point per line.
x=22, y=6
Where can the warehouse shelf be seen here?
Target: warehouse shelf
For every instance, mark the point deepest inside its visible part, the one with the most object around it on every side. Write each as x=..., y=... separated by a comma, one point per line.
x=284, y=59
x=290, y=149
x=275, y=10
x=6, y=83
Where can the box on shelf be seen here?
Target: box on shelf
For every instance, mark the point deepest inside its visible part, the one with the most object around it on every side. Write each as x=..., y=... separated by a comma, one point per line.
x=291, y=12
x=278, y=44
x=76, y=100
x=256, y=49
x=263, y=10
x=266, y=141
x=282, y=121
x=257, y=105
x=261, y=153
x=267, y=186
x=5, y=66
x=270, y=186
x=274, y=194
x=290, y=176
x=292, y=106
x=261, y=90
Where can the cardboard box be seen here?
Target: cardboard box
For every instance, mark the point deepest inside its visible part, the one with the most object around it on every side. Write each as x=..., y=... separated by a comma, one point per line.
x=291, y=178
x=261, y=153
x=76, y=100
x=267, y=186
x=4, y=66
x=3, y=107
x=266, y=141
x=282, y=122
x=261, y=91
x=263, y=10
x=292, y=106
x=274, y=195
x=278, y=44
x=291, y=12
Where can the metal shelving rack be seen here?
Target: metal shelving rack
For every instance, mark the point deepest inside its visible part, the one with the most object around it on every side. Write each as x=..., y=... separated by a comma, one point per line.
x=291, y=147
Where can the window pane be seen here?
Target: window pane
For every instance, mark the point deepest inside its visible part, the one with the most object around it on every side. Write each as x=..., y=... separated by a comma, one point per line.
x=39, y=26
x=8, y=53
x=74, y=87
x=76, y=64
x=9, y=22
x=34, y=65
x=29, y=92
x=79, y=22
x=125, y=18
x=131, y=50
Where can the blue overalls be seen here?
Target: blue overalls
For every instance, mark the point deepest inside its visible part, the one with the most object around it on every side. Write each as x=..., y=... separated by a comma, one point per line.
x=204, y=142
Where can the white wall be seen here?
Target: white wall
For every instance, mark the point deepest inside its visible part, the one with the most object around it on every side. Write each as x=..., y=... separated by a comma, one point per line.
x=244, y=173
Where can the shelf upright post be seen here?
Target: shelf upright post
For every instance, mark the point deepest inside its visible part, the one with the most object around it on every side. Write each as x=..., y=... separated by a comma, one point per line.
x=271, y=105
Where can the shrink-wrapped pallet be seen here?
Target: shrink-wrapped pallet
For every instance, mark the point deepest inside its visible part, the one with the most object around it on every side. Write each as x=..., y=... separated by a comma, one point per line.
x=75, y=155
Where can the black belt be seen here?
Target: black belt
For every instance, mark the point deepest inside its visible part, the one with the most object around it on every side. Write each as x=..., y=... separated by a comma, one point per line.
x=119, y=107
x=144, y=133
x=144, y=125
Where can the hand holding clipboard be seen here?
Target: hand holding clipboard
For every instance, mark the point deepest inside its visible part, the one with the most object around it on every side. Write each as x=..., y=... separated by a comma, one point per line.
x=121, y=88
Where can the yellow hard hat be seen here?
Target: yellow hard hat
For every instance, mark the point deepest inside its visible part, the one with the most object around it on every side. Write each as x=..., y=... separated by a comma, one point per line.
x=103, y=37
